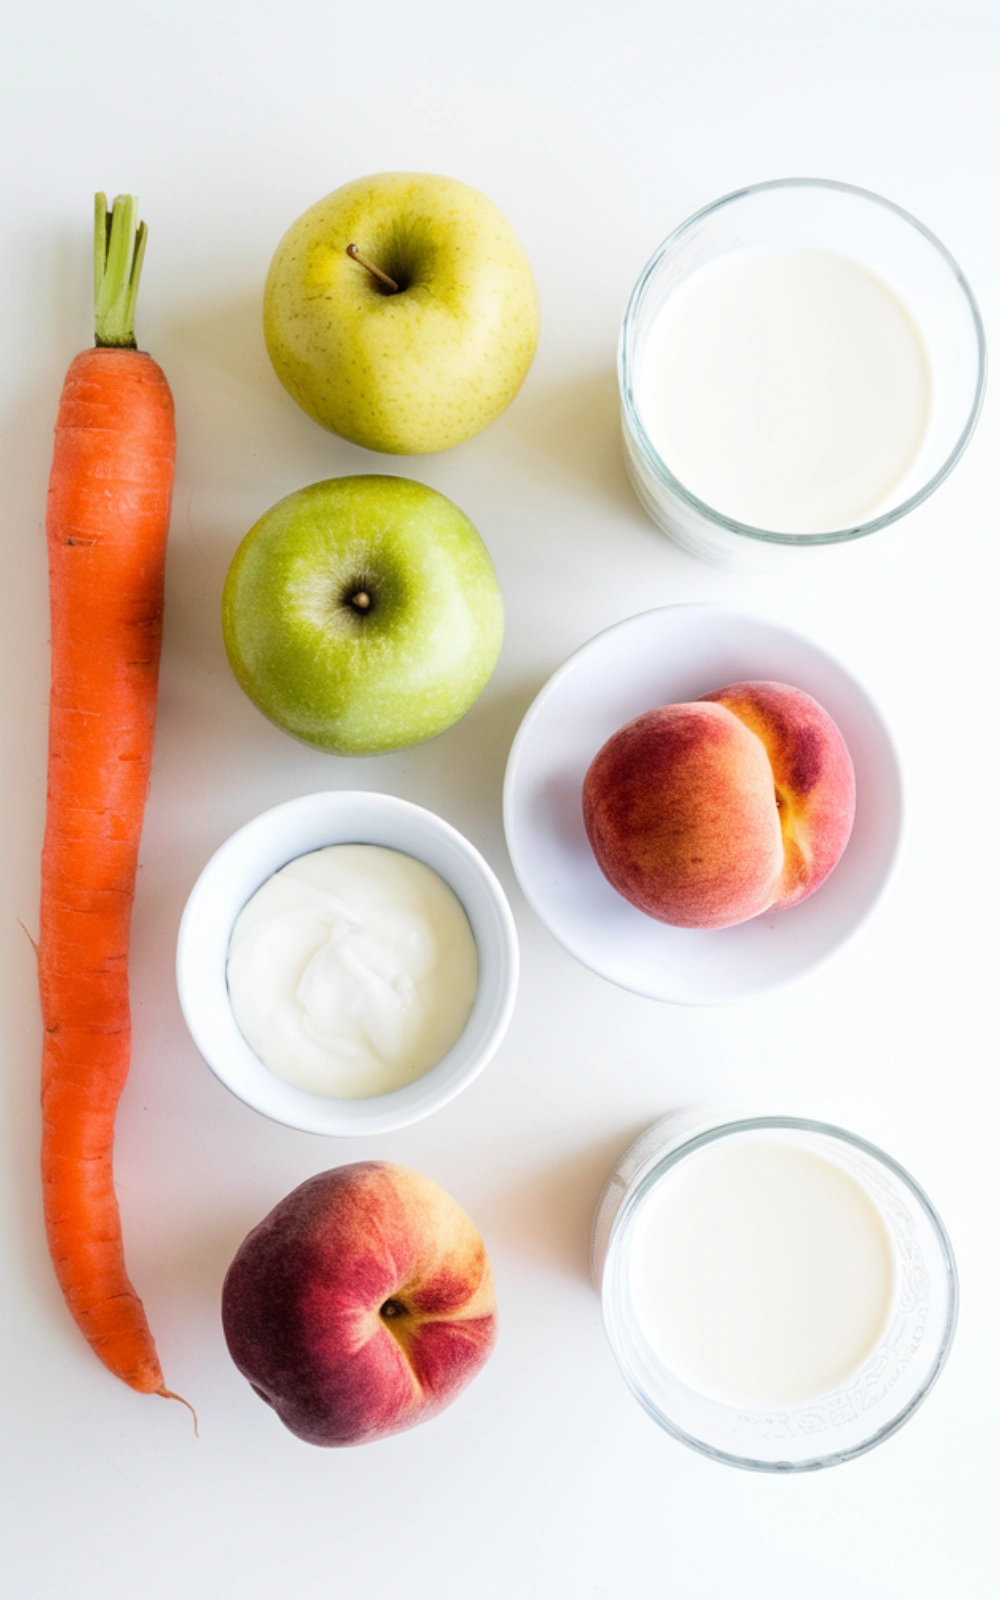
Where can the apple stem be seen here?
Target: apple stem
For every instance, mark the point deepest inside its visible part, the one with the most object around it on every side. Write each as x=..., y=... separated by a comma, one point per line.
x=361, y=601
x=376, y=272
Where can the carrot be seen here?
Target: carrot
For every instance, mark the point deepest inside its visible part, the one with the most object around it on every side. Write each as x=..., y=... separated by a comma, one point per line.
x=106, y=523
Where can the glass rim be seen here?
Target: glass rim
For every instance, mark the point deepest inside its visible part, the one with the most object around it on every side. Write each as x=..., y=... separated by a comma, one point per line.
x=654, y=462
x=637, y=1191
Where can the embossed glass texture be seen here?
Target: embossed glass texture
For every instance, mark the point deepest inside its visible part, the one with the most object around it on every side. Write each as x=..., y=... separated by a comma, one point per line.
x=875, y=1400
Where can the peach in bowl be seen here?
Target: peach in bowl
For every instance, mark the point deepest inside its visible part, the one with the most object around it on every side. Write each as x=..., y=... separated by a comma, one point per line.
x=701, y=804
x=261, y=853
x=709, y=813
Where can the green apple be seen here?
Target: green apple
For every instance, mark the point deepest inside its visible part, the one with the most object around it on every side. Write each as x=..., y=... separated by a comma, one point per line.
x=401, y=312
x=363, y=614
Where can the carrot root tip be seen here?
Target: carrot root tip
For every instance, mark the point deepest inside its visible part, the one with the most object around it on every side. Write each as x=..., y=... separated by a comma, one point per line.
x=168, y=1394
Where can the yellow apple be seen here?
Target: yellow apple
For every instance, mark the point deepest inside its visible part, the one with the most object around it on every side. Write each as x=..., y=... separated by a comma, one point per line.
x=401, y=312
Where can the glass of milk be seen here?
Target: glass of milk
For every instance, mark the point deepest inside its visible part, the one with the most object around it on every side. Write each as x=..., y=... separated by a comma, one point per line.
x=801, y=364
x=778, y=1293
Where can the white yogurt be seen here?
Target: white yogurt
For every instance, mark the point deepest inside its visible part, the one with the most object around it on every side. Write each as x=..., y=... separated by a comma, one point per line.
x=352, y=971
x=788, y=389
x=761, y=1274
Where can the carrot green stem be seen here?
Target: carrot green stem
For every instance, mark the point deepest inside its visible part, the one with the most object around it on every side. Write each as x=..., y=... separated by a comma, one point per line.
x=119, y=246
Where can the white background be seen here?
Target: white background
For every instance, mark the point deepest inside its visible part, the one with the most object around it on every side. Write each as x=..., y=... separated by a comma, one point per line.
x=596, y=128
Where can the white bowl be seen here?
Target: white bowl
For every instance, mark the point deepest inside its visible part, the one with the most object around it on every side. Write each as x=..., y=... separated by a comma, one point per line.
x=238, y=869
x=658, y=658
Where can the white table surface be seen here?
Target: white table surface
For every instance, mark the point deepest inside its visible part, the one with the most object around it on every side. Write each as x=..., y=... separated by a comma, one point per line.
x=596, y=128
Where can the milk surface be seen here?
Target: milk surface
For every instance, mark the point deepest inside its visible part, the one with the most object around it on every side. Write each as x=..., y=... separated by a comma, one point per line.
x=761, y=1274
x=788, y=389
x=352, y=971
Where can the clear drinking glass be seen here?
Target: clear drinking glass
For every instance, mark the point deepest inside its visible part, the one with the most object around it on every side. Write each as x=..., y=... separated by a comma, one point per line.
x=875, y=1400
x=809, y=214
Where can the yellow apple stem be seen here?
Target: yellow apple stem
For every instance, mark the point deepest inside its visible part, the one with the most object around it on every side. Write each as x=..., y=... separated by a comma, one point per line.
x=376, y=272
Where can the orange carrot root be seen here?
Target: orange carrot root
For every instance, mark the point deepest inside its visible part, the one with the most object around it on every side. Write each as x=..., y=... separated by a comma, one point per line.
x=168, y=1394
x=106, y=524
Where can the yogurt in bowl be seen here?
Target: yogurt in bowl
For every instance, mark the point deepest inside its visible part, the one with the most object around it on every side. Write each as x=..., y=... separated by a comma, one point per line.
x=343, y=970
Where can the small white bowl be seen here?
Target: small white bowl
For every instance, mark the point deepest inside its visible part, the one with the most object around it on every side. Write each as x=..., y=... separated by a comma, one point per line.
x=238, y=869
x=658, y=658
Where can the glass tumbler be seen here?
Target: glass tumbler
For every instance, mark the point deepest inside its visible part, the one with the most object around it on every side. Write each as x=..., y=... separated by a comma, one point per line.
x=838, y=219
x=893, y=1378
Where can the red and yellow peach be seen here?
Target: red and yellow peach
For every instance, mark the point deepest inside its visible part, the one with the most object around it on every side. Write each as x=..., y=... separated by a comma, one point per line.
x=361, y=1305
x=706, y=814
